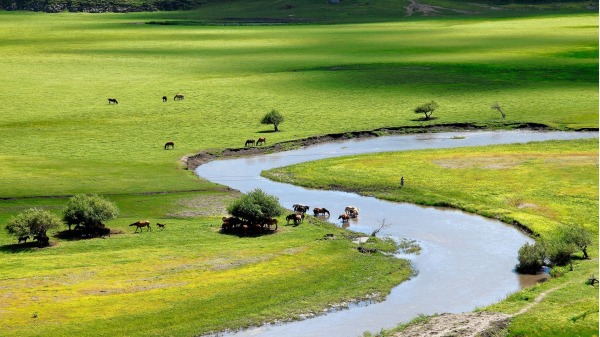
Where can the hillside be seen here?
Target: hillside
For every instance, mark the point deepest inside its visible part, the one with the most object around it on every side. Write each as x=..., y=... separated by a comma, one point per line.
x=300, y=11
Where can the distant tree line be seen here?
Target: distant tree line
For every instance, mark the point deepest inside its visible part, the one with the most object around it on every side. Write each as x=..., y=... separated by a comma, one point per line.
x=99, y=6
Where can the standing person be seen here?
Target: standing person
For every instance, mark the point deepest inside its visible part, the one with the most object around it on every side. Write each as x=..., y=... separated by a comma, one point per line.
x=402, y=182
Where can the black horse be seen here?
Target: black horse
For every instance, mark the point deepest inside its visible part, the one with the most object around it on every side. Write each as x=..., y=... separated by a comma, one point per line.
x=112, y=101
x=169, y=144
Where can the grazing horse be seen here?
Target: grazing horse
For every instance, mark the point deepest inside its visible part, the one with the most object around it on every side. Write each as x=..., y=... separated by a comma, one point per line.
x=345, y=217
x=319, y=210
x=141, y=224
x=249, y=142
x=42, y=239
x=23, y=239
x=261, y=141
x=300, y=208
x=297, y=218
x=178, y=97
x=169, y=144
x=271, y=222
x=164, y=99
x=160, y=226
x=112, y=101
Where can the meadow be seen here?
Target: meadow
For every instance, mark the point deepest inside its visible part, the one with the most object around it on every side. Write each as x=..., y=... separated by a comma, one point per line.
x=540, y=185
x=61, y=137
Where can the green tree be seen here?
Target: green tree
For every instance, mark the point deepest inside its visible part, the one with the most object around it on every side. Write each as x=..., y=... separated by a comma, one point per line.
x=33, y=221
x=273, y=117
x=256, y=206
x=427, y=109
x=531, y=258
x=578, y=236
x=89, y=212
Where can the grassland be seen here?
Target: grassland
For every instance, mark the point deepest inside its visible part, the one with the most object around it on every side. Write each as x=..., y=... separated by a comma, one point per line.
x=541, y=185
x=61, y=137
x=60, y=133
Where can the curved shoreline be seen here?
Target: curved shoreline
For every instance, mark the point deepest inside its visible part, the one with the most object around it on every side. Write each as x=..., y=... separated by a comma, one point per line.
x=202, y=157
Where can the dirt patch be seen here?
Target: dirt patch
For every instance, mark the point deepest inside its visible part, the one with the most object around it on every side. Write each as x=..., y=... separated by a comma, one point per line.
x=454, y=325
x=205, y=205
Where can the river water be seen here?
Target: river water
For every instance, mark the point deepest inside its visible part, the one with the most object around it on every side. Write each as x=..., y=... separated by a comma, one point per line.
x=466, y=261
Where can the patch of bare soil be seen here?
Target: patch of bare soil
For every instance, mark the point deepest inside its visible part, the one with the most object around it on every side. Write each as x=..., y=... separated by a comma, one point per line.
x=205, y=205
x=454, y=325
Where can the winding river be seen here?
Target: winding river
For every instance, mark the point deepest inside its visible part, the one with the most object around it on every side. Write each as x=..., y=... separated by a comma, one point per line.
x=466, y=260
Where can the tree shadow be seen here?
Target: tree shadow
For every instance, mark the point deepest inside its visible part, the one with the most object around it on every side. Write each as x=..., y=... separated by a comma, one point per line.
x=249, y=233
x=423, y=119
x=268, y=131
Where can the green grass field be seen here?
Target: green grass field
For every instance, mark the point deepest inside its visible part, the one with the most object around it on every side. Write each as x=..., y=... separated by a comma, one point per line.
x=60, y=137
x=59, y=131
x=541, y=185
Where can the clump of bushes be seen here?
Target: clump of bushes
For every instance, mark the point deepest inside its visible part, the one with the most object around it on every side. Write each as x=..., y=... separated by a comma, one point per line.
x=555, y=252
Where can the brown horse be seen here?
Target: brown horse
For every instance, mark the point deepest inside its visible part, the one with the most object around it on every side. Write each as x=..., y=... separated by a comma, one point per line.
x=112, y=101
x=271, y=222
x=249, y=142
x=297, y=218
x=319, y=210
x=351, y=209
x=261, y=141
x=169, y=144
x=160, y=226
x=178, y=97
x=345, y=217
x=141, y=224
x=23, y=239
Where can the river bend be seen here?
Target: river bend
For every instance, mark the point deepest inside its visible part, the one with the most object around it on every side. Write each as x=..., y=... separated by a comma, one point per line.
x=466, y=261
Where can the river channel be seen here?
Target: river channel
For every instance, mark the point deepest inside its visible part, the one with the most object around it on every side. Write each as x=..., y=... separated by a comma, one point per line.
x=466, y=261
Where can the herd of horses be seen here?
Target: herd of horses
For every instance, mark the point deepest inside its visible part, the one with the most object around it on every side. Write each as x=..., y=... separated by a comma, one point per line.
x=233, y=223
x=177, y=97
x=259, y=142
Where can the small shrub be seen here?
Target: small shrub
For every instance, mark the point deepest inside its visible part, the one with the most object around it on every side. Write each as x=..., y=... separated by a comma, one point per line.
x=531, y=258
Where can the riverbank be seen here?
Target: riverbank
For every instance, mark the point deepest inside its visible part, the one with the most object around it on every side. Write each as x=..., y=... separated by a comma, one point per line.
x=193, y=161
x=541, y=185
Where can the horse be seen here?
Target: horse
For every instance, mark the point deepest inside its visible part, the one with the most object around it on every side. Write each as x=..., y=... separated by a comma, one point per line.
x=42, y=239
x=141, y=224
x=345, y=217
x=271, y=222
x=112, y=101
x=230, y=222
x=160, y=226
x=353, y=214
x=351, y=209
x=164, y=99
x=249, y=142
x=319, y=210
x=297, y=218
x=169, y=144
x=178, y=97
x=24, y=239
x=300, y=208
x=261, y=141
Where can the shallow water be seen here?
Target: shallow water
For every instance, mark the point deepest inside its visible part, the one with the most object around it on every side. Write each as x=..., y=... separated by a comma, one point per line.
x=466, y=261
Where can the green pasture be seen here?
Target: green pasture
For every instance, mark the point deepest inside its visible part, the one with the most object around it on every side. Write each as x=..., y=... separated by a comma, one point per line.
x=60, y=135
x=540, y=185
x=185, y=280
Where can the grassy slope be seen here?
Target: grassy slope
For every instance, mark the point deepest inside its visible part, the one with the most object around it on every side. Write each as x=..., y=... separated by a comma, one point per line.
x=61, y=137
x=539, y=184
x=60, y=133
x=185, y=280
